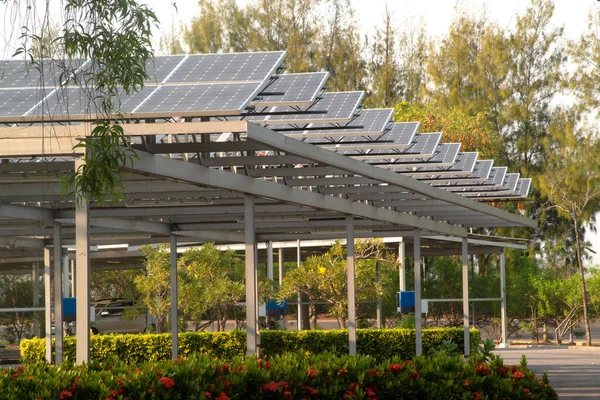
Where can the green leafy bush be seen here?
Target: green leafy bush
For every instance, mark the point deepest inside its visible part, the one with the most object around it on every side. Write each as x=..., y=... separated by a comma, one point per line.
x=378, y=343
x=284, y=376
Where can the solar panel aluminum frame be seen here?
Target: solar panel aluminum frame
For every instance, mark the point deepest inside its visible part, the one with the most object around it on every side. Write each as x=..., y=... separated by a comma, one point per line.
x=291, y=103
x=479, y=173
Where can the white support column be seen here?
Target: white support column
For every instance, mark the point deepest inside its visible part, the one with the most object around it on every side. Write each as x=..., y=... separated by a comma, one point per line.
x=379, y=323
x=270, y=260
x=504, y=343
x=298, y=261
x=66, y=287
x=417, y=274
x=35, y=279
x=73, y=279
x=58, y=294
x=402, y=269
x=251, y=289
x=47, y=306
x=280, y=254
x=350, y=285
x=174, y=297
x=465, y=302
x=82, y=245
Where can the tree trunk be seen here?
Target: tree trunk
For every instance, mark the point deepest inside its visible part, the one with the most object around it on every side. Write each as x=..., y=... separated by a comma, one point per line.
x=586, y=320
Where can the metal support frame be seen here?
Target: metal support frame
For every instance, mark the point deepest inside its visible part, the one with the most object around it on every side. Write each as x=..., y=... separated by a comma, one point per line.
x=504, y=343
x=417, y=274
x=465, y=303
x=82, y=244
x=350, y=285
x=47, y=306
x=270, y=260
x=402, y=267
x=174, y=301
x=73, y=278
x=252, y=339
x=379, y=323
x=66, y=287
x=58, y=294
x=298, y=261
x=280, y=266
x=35, y=278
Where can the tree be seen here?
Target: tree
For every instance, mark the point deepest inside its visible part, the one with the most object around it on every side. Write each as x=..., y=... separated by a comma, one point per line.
x=323, y=278
x=571, y=181
x=412, y=50
x=383, y=66
x=205, y=32
x=114, y=284
x=16, y=291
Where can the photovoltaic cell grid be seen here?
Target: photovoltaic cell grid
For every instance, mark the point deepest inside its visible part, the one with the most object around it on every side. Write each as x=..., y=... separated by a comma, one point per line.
x=227, y=84
x=508, y=187
x=335, y=107
x=423, y=145
x=368, y=126
x=444, y=156
x=401, y=133
x=460, y=175
x=21, y=74
x=292, y=90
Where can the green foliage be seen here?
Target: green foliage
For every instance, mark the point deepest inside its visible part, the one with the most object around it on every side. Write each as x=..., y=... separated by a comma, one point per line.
x=323, y=278
x=293, y=375
x=134, y=349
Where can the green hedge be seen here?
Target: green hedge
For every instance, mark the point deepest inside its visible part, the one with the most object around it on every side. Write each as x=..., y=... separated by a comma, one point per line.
x=285, y=376
x=378, y=343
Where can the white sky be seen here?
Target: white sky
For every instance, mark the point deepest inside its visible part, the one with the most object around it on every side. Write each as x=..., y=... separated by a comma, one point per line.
x=436, y=14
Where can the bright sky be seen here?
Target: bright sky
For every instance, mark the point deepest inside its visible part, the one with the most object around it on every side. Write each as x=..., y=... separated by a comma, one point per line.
x=436, y=14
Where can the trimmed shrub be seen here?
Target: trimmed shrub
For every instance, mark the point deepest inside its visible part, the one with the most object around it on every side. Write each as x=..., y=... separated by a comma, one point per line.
x=284, y=376
x=378, y=343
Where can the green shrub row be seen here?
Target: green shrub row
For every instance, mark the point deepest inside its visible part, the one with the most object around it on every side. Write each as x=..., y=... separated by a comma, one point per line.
x=284, y=376
x=378, y=343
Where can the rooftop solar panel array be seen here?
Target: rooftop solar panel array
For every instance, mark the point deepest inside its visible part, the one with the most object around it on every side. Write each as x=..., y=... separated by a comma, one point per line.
x=292, y=90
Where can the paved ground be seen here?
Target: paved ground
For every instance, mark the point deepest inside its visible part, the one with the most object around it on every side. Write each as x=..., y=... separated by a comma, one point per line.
x=573, y=372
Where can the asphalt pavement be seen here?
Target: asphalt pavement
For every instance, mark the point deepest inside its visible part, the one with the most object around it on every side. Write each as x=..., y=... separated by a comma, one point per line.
x=574, y=371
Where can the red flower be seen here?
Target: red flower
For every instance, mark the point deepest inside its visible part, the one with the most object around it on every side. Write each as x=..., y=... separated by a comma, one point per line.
x=518, y=375
x=371, y=395
x=224, y=369
x=373, y=373
x=264, y=364
x=352, y=387
x=467, y=383
x=223, y=396
x=149, y=390
x=477, y=395
x=414, y=375
x=343, y=372
x=527, y=392
x=120, y=382
x=482, y=370
x=312, y=373
x=167, y=382
x=65, y=394
x=208, y=395
x=287, y=394
x=514, y=368
x=395, y=369
x=311, y=391
x=502, y=371
x=269, y=387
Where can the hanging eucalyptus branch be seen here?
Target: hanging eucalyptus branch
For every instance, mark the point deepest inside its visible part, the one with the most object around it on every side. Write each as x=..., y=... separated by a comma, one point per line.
x=114, y=35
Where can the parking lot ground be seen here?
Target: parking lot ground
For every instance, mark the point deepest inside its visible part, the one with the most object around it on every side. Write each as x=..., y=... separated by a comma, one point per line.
x=574, y=371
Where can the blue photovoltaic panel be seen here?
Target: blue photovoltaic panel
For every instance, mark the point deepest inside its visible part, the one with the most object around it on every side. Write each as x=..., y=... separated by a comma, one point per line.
x=521, y=191
x=161, y=67
x=292, y=90
x=24, y=74
x=401, y=133
x=508, y=186
x=336, y=107
x=444, y=156
x=369, y=124
x=423, y=146
x=17, y=102
x=479, y=174
x=227, y=67
x=224, y=98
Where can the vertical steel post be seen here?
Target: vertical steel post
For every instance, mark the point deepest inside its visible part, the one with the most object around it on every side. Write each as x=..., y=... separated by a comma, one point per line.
x=251, y=292
x=298, y=262
x=35, y=278
x=417, y=274
x=66, y=287
x=350, y=285
x=465, y=302
x=82, y=245
x=379, y=299
x=270, y=260
x=174, y=298
x=402, y=269
x=282, y=320
x=58, y=294
x=504, y=343
x=73, y=279
x=47, y=306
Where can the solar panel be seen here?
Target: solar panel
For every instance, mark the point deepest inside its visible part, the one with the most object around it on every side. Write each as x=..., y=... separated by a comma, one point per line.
x=445, y=156
x=423, y=146
x=335, y=107
x=161, y=67
x=401, y=133
x=292, y=90
x=478, y=174
x=24, y=74
x=17, y=102
x=227, y=67
x=521, y=191
x=508, y=186
x=224, y=99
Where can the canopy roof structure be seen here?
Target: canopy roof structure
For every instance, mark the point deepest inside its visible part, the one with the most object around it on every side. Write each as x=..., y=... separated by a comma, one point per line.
x=232, y=150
